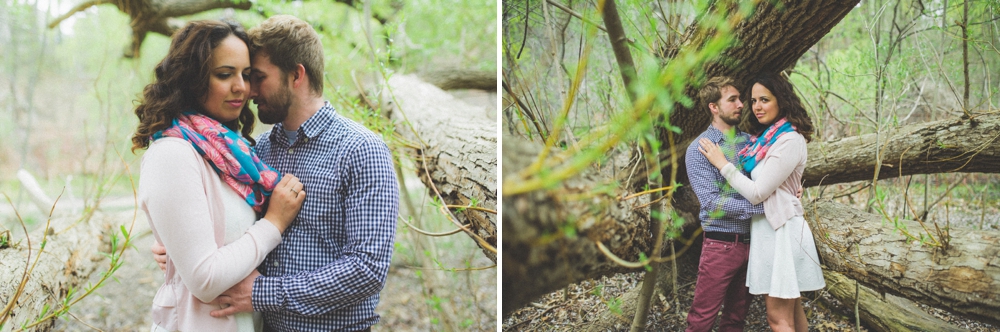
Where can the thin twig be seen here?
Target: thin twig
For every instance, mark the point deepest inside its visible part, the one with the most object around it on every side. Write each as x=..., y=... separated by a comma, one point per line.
x=451, y=269
x=577, y=15
x=646, y=192
x=428, y=233
x=468, y=207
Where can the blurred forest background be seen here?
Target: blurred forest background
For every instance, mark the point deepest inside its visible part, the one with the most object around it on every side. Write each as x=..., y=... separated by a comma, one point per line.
x=886, y=66
x=66, y=116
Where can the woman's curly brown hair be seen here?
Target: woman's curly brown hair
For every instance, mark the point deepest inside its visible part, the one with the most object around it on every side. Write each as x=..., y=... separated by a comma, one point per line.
x=789, y=107
x=182, y=81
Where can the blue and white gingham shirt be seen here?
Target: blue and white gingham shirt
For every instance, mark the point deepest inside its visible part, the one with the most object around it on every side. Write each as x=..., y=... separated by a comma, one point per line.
x=722, y=208
x=332, y=261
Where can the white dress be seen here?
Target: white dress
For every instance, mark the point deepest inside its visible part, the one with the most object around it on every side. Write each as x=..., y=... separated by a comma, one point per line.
x=783, y=260
x=239, y=217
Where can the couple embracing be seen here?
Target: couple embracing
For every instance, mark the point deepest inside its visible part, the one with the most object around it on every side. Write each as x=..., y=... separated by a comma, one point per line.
x=242, y=246
x=747, y=171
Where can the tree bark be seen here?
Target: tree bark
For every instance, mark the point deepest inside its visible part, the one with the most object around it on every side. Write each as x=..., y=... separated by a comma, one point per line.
x=883, y=312
x=964, y=278
x=770, y=40
x=454, y=147
x=73, y=251
x=155, y=15
x=956, y=145
x=550, y=238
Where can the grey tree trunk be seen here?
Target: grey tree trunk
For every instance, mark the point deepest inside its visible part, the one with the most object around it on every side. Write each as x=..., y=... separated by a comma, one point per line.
x=454, y=147
x=883, y=312
x=73, y=251
x=451, y=79
x=550, y=236
x=956, y=145
x=964, y=278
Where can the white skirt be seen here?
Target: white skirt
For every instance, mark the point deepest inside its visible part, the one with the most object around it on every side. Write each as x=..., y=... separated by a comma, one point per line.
x=245, y=322
x=783, y=262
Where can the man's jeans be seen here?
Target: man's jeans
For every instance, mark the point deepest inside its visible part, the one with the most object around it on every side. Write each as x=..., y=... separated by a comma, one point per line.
x=722, y=275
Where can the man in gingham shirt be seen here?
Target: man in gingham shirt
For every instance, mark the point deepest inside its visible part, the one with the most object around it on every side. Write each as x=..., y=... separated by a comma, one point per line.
x=725, y=216
x=332, y=261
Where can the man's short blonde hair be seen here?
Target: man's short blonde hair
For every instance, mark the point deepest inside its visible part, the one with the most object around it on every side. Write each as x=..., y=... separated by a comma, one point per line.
x=289, y=41
x=711, y=92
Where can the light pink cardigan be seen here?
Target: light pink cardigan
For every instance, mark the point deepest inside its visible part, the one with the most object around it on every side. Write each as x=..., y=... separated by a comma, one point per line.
x=779, y=176
x=182, y=197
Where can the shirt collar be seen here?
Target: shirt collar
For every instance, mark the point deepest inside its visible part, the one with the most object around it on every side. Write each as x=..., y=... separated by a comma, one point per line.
x=716, y=135
x=315, y=125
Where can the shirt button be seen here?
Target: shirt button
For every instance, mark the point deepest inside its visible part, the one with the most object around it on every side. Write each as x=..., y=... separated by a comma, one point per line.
x=290, y=151
x=275, y=263
x=305, y=140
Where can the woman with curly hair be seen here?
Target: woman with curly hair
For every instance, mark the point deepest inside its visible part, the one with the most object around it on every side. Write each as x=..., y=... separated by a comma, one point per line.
x=201, y=184
x=783, y=260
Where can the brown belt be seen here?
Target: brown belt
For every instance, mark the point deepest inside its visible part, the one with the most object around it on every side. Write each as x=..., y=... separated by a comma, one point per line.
x=728, y=237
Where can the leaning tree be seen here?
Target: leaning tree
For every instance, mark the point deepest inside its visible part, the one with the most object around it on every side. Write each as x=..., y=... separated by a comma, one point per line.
x=570, y=215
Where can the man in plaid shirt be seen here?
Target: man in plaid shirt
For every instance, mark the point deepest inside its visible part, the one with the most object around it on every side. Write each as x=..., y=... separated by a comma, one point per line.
x=725, y=216
x=332, y=261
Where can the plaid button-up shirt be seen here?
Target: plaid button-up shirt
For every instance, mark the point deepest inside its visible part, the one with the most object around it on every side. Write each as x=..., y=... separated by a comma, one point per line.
x=722, y=208
x=332, y=261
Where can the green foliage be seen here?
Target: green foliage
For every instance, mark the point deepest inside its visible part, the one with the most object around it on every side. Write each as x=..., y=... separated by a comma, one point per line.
x=615, y=306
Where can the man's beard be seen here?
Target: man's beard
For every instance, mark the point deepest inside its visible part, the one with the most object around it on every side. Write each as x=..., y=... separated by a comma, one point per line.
x=731, y=120
x=274, y=108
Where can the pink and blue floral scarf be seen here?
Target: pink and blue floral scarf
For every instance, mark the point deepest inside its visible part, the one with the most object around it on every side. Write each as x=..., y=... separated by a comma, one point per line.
x=754, y=152
x=229, y=154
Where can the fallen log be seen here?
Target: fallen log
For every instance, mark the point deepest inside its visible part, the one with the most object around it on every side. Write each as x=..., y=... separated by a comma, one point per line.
x=451, y=79
x=963, y=278
x=883, y=312
x=953, y=145
x=454, y=148
x=73, y=250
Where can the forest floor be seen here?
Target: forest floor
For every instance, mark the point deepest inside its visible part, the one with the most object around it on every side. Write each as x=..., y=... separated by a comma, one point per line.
x=576, y=307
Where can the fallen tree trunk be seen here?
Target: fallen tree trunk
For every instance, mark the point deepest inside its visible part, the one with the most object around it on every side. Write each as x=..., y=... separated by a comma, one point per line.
x=551, y=235
x=73, y=251
x=955, y=145
x=883, y=312
x=462, y=79
x=454, y=147
x=963, y=278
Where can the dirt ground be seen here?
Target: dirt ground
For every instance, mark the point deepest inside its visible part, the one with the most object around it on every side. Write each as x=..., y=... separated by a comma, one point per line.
x=576, y=308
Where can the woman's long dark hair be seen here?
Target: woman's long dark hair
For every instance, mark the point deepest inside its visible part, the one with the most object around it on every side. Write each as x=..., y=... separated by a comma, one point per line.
x=789, y=107
x=182, y=81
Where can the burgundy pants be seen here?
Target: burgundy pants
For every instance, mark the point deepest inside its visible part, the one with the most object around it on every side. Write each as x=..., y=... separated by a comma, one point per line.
x=722, y=276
